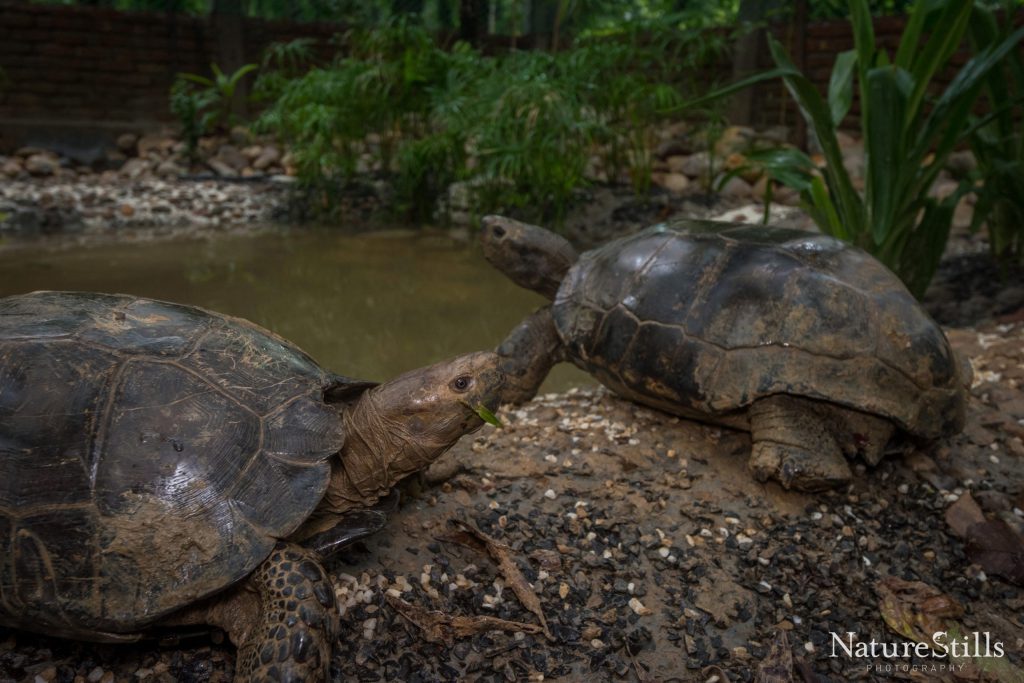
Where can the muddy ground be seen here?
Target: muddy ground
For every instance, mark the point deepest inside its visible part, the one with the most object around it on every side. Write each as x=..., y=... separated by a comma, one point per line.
x=655, y=556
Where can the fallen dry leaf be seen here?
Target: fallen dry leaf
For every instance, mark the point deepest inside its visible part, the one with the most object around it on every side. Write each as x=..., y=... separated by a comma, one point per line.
x=471, y=537
x=999, y=549
x=914, y=609
x=439, y=627
x=992, y=544
x=963, y=514
x=777, y=667
x=917, y=611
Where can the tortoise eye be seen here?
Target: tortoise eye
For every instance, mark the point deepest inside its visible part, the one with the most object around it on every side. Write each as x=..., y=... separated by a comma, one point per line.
x=463, y=383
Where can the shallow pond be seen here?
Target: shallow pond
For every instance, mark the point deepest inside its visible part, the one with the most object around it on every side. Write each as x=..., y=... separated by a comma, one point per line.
x=368, y=306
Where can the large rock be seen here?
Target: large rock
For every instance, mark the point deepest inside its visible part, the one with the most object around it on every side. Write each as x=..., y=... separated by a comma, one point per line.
x=734, y=139
x=12, y=168
x=136, y=168
x=222, y=169
x=676, y=183
x=736, y=187
x=267, y=158
x=154, y=142
x=169, y=169
x=961, y=163
x=695, y=165
x=42, y=164
x=232, y=157
x=126, y=142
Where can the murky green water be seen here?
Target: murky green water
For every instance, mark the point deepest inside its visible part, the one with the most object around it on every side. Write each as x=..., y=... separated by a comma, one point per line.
x=367, y=306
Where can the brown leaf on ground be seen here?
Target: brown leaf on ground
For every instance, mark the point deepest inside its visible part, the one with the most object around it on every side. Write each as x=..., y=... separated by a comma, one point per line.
x=999, y=549
x=914, y=609
x=963, y=514
x=807, y=674
x=501, y=554
x=777, y=667
x=439, y=627
x=992, y=544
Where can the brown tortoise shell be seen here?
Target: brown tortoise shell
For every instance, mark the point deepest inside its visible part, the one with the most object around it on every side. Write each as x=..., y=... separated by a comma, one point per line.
x=151, y=454
x=702, y=320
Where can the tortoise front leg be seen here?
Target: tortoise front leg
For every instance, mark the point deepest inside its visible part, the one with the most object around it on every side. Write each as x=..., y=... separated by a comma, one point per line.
x=296, y=624
x=793, y=442
x=527, y=355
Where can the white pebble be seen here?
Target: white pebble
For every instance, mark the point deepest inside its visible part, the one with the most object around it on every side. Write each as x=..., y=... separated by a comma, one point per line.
x=550, y=494
x=638, y=607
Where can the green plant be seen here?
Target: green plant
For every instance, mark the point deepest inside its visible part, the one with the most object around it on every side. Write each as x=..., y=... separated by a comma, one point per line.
x=519, y=128
x=214, y=97
x=280, y=63
x=907, y=135
x=997, y=141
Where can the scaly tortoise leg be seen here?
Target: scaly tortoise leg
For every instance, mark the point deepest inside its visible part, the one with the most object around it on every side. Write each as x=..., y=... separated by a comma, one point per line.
x=297, y=623
x=793, y=442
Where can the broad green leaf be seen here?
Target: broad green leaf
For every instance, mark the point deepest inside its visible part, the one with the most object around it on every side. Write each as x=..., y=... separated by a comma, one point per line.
x=833, y=226
x=864, y=44
x=813, y=108
x=840, y=86
x=884, y=149
x=942, y=43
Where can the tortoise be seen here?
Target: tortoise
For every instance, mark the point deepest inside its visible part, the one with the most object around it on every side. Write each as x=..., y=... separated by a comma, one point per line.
x=810, y=344
x=164, y=465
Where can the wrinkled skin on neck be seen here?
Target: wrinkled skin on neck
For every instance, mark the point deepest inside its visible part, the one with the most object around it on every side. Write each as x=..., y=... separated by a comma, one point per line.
x=530, y=256
x=402, y=426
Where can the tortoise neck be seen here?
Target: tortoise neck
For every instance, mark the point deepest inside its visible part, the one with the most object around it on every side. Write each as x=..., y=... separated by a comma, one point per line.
x=378, y=452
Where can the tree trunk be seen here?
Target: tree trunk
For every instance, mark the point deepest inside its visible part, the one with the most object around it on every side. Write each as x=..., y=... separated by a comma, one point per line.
x=473, y=15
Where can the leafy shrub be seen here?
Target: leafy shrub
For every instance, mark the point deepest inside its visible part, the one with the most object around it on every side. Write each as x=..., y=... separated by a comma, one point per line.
x=202, y=104
x=907, y=135
x=997, y=141
x=522, y=126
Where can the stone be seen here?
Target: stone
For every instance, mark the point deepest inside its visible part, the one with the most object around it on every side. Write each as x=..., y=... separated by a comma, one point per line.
x=11, y=168
x=960, y=164
x=231, y=156
x=127, y=210
x=41, y=164
x=736, y=187
x=734, y=139
x=675, y=163
x=169, y=168
x=853, y=160
x=941, y=189
x=126, y=142
x=673, y=147
x=28, y=151
x=135, y=168
x=695, y=165
x=846, y=140
x=676, y=183
x=154, y=142
x=221, y=168
x=252, y=151
x=240, y=135
x=268, y=157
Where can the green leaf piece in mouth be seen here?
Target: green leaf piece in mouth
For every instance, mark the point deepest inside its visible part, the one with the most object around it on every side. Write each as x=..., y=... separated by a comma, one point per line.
x=485, y=414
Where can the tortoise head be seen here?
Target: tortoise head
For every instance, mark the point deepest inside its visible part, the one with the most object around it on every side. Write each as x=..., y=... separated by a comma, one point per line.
x=405, y=424
x=530, y=256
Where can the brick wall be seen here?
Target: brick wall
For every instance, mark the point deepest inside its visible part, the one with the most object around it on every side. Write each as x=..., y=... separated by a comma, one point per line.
x=80, y=71
x=80, y=74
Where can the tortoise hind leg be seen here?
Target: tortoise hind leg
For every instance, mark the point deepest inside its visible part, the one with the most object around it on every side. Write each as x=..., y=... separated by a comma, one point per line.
x=794, y=443
x=295, y=627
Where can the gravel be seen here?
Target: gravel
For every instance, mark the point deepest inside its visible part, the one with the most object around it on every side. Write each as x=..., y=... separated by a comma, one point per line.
x=657, y=558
